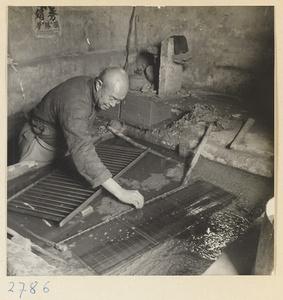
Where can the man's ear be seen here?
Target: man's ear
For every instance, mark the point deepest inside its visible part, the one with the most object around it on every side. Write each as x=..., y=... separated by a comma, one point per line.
x=98, y=84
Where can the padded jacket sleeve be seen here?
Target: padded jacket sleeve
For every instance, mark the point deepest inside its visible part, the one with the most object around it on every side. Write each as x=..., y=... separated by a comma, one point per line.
x=74, y=120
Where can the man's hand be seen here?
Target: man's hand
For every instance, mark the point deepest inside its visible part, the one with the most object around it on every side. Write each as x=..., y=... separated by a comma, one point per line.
x=127, y=196
x=132, y=197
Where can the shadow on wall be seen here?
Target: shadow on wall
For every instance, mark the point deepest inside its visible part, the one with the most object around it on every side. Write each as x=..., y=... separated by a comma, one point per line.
x=260, y=95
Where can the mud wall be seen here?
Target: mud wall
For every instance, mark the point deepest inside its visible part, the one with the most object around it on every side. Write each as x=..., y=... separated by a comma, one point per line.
x=231, y=48
x=90, y=39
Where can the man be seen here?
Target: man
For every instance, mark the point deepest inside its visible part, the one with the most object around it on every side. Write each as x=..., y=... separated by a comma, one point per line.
x=63, y=120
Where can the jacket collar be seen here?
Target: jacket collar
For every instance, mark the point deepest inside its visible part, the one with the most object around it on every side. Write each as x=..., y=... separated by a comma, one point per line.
x=91, y=84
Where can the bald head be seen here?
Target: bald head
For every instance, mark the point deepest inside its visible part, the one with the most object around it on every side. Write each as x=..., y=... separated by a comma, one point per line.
x=111, y=87
x=116, y=80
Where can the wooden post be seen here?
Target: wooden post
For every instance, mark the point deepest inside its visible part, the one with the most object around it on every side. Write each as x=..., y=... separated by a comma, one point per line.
x=197, y=155
x=237, y=140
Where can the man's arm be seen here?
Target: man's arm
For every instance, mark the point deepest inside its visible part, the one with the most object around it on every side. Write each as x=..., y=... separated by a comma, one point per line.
x=74, y=123
x=127, y=196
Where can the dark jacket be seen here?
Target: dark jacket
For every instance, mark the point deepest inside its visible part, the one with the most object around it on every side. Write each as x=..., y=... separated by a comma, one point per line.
x=66, y=114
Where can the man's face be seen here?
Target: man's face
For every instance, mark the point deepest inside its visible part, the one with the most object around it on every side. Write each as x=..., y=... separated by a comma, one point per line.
x=106, y=100
x=108, y=97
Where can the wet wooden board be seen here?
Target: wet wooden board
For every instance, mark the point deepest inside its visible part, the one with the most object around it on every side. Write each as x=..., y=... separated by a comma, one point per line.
x=106, y=246
x=64, y=190
x=172, y=214
x=131, y=234
x=140, y=172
